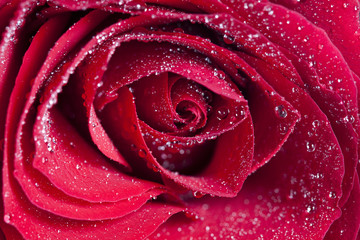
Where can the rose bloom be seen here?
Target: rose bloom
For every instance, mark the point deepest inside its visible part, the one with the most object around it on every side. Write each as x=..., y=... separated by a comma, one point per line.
x=179, y=119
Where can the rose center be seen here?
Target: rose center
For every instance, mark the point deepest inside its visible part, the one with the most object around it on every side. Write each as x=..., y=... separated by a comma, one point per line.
x=170, y=103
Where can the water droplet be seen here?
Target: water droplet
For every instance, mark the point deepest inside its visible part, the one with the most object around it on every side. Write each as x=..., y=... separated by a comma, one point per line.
x=219, y=73
x=310, y=147
x=281, y=111
x=310, y=209
x=320, y=46
x=291, y=194
x=142, y=153
x=316, y=123
x=198, y=194
x=83, y=96
x=152, y=167
x=191, y=215
x=7, y=218
x=133, y=147
x=222, y=113
x=332, y=195
x=44, y=160
x=178, y=30
x=134, y=6
x=228, y=39
x=100, y=84
x=283, y=129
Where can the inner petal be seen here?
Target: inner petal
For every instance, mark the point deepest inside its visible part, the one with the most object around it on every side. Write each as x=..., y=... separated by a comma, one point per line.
x=171, y=103
x=153, y=102
x=191, y=106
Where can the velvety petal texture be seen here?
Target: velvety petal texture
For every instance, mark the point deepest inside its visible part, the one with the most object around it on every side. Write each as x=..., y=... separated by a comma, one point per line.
x=154, y=119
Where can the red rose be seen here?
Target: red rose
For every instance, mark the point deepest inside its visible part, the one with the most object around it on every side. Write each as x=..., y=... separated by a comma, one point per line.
x=179, y=119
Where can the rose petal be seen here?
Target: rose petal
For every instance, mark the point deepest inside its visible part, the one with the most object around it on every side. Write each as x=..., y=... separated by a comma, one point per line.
x=225, y=181
x=33, y=222
x=130, y=6
x=7, y=9
x=335, y=109
x=75, y=167
x=156, y=58
x=303, y=39
x=185, y=155
x=54, y=56
x=347, y=226
x=41, y=42
x=153, y=102
x=134, y=202
x=294, y=195
x=274, y=118
x=340, y=20
x=79, y=96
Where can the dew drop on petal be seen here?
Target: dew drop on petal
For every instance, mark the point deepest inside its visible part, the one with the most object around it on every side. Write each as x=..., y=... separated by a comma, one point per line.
x=133, y=147
x=222, y=113
x=191, y=215
x=198, y=194
x=310, y=209
x=291, y=194
x=310, y=147
x=332, y=195
x=219, y=73
x=44, y=160
x=228, y=39
x=134, y=6
x=7, y=218
x=178, y=30
x=281, y=111
x=153, y=167
x=142, y=153
x=351, y=119
x=283, y=129
x=316, y=123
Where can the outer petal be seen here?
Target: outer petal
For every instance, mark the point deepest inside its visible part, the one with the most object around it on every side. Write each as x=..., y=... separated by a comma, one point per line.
x=301, y=38
x=340, y=20
x=14, y=197
x=347, y=226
